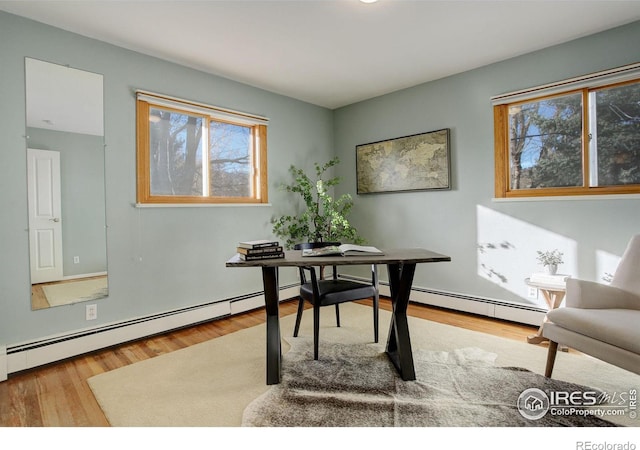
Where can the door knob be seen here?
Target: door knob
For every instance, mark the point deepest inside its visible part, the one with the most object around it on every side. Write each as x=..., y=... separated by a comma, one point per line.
x=55, y=219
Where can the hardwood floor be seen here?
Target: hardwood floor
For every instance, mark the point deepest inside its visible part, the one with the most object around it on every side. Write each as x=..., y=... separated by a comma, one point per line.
x=58, y=395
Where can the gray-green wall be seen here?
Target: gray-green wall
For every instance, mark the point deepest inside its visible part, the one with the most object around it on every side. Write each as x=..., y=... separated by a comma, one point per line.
x=492, y=244
x=162, y=259
x=159, y=259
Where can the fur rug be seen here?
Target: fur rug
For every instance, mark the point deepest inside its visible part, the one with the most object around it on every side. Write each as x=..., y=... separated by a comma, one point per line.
x=357, y=386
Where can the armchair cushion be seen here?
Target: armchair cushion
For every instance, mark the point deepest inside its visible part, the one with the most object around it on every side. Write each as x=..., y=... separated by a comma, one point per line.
x=589, y=294
x=617, y=327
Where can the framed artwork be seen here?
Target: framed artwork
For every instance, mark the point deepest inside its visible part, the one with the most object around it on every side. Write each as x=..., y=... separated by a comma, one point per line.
x=411, y=163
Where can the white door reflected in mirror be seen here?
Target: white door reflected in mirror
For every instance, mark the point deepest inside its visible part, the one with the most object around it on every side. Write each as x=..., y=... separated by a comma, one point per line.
x=45, y=227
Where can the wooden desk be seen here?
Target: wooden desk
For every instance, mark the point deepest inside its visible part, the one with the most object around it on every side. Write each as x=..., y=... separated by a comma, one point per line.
x=401, y=265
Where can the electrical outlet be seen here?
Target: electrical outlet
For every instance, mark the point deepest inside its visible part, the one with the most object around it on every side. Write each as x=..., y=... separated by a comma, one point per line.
x=533, y=292
x=91, y=312
x=76, y=260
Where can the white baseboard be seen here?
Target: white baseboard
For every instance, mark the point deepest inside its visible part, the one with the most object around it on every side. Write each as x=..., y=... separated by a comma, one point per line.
x=475, y=305
x=3, y=363
x=26, y=355
x=55, y=348
x=481, y=307
x=247, y=304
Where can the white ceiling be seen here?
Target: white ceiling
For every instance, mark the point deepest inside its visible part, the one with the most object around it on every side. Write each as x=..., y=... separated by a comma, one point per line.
x=63, y=99
x=331, y=52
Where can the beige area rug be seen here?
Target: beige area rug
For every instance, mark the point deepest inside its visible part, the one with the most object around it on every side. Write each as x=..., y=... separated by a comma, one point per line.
x=75, y=291
x=211, y=384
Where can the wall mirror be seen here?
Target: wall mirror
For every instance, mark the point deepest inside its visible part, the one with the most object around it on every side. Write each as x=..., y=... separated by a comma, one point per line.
x=66, y=184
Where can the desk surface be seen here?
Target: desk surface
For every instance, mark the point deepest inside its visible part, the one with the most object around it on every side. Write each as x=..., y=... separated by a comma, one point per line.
x=294, y=258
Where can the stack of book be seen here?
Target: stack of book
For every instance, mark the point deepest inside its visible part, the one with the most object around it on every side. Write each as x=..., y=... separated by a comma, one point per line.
x=260, y=249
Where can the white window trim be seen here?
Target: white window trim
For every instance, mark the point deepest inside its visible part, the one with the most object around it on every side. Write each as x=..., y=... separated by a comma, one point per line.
x=593, y=80
x=215, y=112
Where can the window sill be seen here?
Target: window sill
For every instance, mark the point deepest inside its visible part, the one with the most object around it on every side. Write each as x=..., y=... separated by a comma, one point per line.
x=567, y=198
x=198, y=205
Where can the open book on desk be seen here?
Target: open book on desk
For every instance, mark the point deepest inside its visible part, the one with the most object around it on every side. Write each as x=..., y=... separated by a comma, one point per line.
x=344, y=250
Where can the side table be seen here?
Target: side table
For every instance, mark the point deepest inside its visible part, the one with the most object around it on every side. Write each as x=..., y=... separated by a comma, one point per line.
x=553, y=295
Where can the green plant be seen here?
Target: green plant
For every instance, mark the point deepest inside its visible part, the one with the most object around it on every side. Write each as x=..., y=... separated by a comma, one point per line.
x=323, y=218
x=550, y=257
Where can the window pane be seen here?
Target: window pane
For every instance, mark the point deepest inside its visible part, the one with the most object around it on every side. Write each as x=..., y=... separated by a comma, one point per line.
x=618, y=135
x=175, y=153
x=230, y=166
x=545, y=143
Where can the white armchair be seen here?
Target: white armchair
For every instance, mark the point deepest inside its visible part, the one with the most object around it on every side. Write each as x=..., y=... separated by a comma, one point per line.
x=601, y=320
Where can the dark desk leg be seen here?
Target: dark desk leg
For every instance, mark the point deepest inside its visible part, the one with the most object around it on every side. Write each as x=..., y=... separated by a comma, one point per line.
x=274, y=350
x=399, y=342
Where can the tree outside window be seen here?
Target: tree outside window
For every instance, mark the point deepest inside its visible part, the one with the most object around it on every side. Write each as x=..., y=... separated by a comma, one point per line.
x=581, y=142
x=545, y=143
x=190, y=157
x=618, y=135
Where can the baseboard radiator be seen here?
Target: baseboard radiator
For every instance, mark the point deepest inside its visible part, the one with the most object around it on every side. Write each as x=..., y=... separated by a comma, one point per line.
x=27, y=355
x=498, y=309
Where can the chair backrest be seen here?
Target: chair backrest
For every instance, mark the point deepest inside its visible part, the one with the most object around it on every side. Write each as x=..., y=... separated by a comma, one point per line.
x=627, y=274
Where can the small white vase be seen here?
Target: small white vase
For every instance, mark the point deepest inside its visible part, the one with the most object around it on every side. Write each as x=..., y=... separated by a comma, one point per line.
x=551, y=268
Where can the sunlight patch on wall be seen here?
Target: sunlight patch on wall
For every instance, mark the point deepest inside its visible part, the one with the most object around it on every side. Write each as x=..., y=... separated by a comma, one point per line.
x=606, y=265
x=507, y=251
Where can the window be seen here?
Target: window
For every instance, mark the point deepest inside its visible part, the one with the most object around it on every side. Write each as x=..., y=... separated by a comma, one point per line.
x=578, y=137
x=194, y=153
